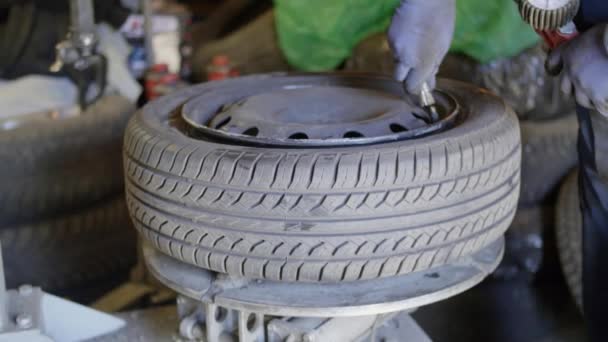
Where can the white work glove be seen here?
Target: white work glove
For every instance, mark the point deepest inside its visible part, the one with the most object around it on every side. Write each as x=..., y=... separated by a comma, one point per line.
x=420, y=36
x=585, y=67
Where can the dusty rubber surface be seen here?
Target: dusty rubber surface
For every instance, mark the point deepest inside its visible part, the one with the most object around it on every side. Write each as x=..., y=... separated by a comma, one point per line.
x=569, y=236
x=71, y=251
x=324, y=214
x=548, y=155
x=59, y=166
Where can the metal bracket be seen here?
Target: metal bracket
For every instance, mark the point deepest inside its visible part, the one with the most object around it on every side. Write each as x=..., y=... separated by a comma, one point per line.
x=217, y=307
x=376, y=296
x=24, y=315
x=214, y=323
x=30, y=315
x=77, y=55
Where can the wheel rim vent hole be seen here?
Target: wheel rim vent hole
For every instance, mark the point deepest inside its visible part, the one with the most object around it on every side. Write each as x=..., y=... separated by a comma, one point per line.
x=220, y=314
x=299, y=136
x=252, y=322
x=397, y=128
x=253, y=131
x=223, y=123
x=353, y=134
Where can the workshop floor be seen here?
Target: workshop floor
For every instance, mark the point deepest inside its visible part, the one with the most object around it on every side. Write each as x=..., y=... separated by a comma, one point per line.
x=506, y=310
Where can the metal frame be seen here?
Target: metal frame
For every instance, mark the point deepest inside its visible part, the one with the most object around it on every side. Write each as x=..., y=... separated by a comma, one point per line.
x=77, y=55
x=30, y=315
x=215, y=323
x=371, y=297
x=219, y=308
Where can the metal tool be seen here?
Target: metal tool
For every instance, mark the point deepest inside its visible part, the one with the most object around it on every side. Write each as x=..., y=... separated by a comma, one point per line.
x=78, y=57
x=549, y=15
x=427, y=100
x=552, y=20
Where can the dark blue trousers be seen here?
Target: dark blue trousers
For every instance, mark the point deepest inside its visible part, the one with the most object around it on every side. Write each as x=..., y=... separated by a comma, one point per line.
x=593, y=188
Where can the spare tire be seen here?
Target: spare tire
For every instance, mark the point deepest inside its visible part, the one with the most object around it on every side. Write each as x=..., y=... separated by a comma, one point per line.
x=292, y=210
x=56, y=166
x=569, y=234
x=71, y=252
x=548, y=155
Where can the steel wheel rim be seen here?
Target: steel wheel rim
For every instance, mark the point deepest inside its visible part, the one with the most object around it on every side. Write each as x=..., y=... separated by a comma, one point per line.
x=207, y=109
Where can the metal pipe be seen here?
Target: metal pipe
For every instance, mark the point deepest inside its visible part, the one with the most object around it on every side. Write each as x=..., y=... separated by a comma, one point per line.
x=82, y=17
x=148, y=31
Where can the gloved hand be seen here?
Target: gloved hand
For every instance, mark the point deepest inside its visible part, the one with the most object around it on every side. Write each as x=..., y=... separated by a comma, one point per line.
x=585, y=68
x=420, y=36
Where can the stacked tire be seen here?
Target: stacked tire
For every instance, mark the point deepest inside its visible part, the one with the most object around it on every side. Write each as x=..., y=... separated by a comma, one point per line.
x=569, y=235
x=63, y=220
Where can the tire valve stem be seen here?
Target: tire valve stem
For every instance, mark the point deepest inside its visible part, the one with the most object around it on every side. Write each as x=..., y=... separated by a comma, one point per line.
x=427, y=101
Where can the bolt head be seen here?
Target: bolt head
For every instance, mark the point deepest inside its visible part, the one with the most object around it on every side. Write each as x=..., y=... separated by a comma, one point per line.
x=87, y=40
x=24, y=321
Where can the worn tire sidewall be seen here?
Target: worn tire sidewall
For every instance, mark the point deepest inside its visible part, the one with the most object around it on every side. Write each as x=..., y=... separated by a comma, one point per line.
x=487, y=119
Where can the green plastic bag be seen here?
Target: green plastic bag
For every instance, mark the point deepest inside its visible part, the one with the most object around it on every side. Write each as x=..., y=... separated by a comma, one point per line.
x=487, y=30
x=318, y=35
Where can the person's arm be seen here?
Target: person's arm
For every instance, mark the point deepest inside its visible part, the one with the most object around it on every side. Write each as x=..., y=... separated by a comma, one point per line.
x=591, y=13
x=420, y=36
x=585, y=58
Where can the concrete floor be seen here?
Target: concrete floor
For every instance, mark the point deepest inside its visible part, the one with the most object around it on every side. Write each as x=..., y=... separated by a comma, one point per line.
x=506, y=310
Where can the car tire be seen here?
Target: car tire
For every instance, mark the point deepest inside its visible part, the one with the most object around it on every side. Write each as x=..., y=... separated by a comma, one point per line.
x=57, y=166
x=71, y=252
x=323, y=214
x=548, y=155
x=569, y=227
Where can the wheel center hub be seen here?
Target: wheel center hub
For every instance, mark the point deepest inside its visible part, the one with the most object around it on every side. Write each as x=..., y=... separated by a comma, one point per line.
x=320, y=113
